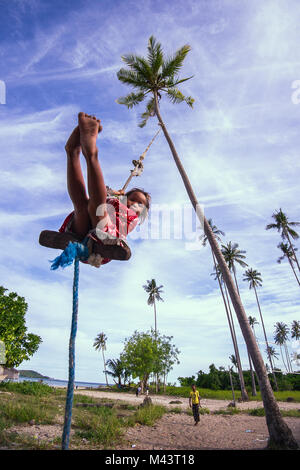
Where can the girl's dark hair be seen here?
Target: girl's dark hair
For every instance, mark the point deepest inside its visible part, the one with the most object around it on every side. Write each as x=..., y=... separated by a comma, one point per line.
x=148, y=201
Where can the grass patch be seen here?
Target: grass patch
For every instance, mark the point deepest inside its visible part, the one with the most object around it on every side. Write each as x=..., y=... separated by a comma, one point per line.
x=229, y=411
x=147, y=415
x=98, y=425
x=16, y=413
x=176, y=410
x=28, y=388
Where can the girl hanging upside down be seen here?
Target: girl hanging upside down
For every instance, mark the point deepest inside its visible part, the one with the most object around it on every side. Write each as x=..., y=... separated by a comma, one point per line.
x=106, y=221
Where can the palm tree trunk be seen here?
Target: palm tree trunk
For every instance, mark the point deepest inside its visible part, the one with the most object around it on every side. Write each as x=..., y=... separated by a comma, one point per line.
x=104, y=367
x=237, y=287
x=155, y=329
x=231, y=384
x=292, y=266
x=291, y=246
x=266, y=340
x=245, y=396
x=253, y=386
x=283, y=358
x=280, y=433
x=288, y=358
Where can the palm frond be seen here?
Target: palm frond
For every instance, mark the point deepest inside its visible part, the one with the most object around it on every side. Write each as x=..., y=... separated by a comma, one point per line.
x=155, y=55
x=131, y=100
x=130, y=77
x=175, y=95
x=139, y=65
x=172, y=66
x=150, y=111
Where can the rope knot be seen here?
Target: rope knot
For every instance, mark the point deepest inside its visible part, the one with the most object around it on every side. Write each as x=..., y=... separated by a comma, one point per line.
x=71, y=252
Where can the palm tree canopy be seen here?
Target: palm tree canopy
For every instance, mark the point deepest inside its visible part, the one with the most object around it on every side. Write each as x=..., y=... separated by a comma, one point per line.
x=252, y=321
x=283, y=224
x=287, y=252
x=153, y=74
x=215, y=231
x=116, y=367
x=272, y=352
x=295, y=330
x=232, y=255
x=100, y=342
x=154, y=291
x=253, y=277
x=281, y=333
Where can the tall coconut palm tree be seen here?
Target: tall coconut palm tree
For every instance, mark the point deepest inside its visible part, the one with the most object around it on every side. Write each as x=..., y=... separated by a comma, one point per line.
x=255, y=281
x=283, y=225
x=281, y=337
x=232, y=256
x=289, y=254
x=152, y=77
x=218, y=275
x=100, y=344
x=154, y=292
x=226, y=301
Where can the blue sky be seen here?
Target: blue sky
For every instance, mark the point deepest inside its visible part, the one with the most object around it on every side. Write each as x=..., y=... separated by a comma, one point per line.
x=239, y=146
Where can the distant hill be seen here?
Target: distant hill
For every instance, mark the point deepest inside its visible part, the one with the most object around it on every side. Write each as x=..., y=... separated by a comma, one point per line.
x=31, y=374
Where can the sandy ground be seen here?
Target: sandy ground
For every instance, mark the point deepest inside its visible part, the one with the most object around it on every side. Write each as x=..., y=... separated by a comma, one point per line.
x=177, y=431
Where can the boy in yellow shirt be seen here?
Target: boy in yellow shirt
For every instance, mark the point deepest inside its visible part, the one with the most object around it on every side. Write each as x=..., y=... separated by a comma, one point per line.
x=194, y=402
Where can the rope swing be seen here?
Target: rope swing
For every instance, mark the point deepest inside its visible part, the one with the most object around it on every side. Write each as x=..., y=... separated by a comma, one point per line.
x=76, y=250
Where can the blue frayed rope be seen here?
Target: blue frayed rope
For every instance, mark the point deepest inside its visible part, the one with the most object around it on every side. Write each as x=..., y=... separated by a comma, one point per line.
x=74, y=250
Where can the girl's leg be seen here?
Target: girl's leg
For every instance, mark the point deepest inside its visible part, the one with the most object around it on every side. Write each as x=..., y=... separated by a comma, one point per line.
x=89, y=128
x=76, y=185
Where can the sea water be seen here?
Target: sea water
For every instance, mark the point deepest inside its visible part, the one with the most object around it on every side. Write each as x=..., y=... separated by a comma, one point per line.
x=61, y=383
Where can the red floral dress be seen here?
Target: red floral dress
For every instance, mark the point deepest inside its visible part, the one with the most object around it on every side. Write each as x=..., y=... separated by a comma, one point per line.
x=122, y=220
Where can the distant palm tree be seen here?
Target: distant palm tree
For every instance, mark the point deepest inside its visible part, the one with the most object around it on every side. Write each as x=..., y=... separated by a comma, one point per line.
x=272, y=353
x=255, y=280
x=154, y=76
x=232, y=256
x=154, y=292
x=281, y=337
x=100, y=344
x=289, y=254
x=233, y=360
x=253, y=322
x=117, y=370
x=283, y=225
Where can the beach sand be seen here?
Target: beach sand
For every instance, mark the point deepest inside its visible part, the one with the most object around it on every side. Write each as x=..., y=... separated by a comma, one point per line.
x=176, y=431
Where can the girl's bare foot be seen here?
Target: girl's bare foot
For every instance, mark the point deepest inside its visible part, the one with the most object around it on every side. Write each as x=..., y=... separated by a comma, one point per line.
x=89, y=127
x=73, y=142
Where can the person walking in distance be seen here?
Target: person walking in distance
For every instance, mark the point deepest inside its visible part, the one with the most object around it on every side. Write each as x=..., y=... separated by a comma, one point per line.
x=194, y=402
